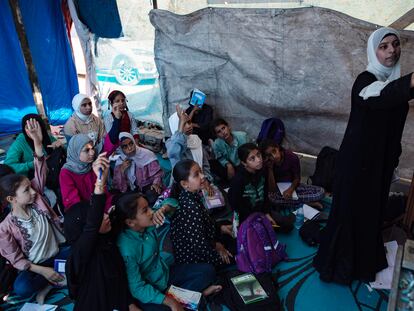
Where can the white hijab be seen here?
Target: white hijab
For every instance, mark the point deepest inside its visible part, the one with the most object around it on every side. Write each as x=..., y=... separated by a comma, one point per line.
x=194, y=142
x=384, y=74
x=76, y=102
x=141, y=158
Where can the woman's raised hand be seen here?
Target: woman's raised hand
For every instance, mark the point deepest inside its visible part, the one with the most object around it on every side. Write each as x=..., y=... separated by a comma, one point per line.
x=34, y=131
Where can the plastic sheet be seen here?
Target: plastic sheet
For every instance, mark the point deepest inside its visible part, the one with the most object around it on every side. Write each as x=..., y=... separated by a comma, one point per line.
x=295, y=64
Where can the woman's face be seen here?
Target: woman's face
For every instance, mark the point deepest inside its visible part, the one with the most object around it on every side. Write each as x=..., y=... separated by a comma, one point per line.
x=119, y=102
x=143, y=217
x=128, y=147
x=195, y=180
x=254, y=161
x=86, y=107
x=87, y=153
x=389, y=51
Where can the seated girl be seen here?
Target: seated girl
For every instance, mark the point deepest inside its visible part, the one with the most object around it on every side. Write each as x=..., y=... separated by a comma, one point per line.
x=95, y=270
x=77, y=179
x=137, y=168
x=30, y=235
x=225, y=147
x=20, y=154
x=248, y=188
x=194, y=235
x=83, y=121
x=185, y=145
x=119, y=111
x=150, y=272
x=284, y=166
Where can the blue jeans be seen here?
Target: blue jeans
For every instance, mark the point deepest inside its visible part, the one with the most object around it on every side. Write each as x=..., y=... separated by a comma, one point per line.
x=195, y=276
x=28, y=283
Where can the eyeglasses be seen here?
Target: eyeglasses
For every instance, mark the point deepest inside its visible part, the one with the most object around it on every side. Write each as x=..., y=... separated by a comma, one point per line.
x=125, y=146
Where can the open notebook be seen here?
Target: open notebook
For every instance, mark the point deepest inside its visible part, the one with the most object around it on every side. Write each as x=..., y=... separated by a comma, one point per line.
x=283, y=186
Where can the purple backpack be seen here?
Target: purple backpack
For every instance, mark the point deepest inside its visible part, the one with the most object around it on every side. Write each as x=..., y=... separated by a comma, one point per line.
x=273, y=129
x=258, y=249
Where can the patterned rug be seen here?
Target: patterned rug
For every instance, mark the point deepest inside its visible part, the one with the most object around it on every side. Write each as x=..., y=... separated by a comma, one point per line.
x=300, y=288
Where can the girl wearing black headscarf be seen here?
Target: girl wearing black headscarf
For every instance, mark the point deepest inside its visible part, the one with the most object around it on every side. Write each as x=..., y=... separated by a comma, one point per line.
x=20, y=154
x=95, y=270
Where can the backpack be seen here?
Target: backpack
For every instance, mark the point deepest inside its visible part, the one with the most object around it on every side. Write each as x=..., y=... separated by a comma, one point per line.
x=54, y=162
x=311, y=230
x=258, y=249
x=272, y=128
x=325, y=168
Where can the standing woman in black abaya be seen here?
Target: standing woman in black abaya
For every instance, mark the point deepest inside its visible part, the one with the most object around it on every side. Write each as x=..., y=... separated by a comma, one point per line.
x=351, y=245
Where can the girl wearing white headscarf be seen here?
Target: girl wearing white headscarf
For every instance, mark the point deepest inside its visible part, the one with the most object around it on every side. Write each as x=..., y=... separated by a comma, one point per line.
x=137, y=168
x=351, y=245
x=83, y=121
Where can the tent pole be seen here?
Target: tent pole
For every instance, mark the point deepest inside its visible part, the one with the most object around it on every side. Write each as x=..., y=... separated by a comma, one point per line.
x=24, y=44
x=404, y=21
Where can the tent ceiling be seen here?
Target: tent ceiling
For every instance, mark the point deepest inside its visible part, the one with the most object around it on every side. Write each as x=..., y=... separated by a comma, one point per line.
x=381, y=12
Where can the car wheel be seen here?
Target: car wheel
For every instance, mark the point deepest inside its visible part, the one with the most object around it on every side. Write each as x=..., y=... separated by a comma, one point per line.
x=125, y=71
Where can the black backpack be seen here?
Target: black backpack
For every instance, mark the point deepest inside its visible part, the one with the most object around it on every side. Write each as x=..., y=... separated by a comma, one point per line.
x=311, y=230
x=54, y=162
x=325, y=168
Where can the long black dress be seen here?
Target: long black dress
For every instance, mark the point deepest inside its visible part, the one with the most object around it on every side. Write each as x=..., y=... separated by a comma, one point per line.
x=351, y=244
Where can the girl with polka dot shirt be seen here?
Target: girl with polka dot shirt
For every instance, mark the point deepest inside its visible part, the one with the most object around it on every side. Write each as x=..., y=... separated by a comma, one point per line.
x=193, y=233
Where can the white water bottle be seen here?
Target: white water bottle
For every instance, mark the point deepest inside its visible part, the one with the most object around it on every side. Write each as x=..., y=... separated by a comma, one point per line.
x=300, y=217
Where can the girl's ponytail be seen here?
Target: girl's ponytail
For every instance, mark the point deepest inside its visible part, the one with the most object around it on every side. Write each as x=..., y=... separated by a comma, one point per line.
x=175, y=190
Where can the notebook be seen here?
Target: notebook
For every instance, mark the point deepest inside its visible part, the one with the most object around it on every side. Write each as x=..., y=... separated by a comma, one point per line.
x=249, y=288
x=187, y=298
x=283, y=187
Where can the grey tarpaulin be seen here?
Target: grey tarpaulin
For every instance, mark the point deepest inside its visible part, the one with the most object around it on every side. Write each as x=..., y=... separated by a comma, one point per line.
x=295, y=64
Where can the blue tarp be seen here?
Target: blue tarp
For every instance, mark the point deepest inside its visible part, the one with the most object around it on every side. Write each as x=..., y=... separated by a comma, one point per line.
x=16, y=98
x=52, y=58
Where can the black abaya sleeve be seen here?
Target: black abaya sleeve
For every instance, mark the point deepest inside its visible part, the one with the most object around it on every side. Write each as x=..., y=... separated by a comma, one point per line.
x=396, y=92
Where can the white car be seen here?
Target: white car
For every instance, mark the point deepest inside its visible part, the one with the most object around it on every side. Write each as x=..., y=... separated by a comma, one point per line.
x=129, y=61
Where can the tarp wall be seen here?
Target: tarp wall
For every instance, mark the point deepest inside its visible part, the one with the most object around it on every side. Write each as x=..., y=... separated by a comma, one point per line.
x=16, y=98
x=52, y=58
x=295, y=64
